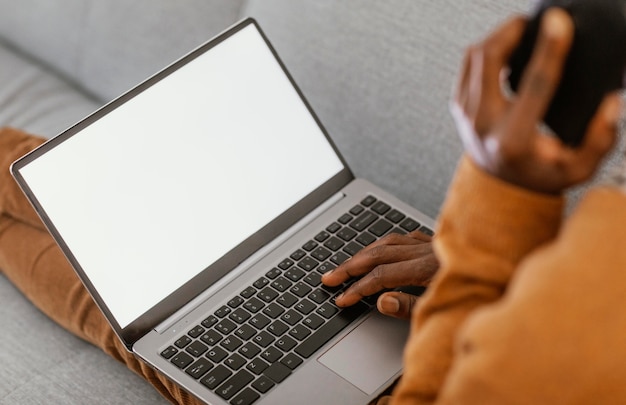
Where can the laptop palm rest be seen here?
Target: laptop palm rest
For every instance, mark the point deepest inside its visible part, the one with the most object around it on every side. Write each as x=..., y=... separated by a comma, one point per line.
x=369, y=355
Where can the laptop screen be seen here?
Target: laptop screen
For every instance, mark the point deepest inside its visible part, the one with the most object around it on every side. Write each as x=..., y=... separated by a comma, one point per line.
x=166, y=181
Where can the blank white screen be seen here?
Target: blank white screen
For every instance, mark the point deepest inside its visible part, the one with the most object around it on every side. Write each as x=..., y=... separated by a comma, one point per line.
x=156, y=191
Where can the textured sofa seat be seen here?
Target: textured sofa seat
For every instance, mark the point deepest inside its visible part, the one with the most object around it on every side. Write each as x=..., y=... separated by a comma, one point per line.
x=378, y=73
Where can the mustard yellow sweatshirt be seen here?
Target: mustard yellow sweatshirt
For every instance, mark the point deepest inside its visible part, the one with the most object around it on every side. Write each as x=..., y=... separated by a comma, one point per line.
x=525, y=309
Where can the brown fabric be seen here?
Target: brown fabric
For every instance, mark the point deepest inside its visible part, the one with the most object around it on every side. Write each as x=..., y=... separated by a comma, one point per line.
x=524, y=310
x=30, y=258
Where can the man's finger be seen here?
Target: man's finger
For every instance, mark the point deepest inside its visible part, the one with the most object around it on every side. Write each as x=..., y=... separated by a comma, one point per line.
x=396, y=304
x=416, y=272
x=375, y=255
x=542, y=75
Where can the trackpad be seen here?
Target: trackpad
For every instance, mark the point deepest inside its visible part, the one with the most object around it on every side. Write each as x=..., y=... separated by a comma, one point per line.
x=371, y=354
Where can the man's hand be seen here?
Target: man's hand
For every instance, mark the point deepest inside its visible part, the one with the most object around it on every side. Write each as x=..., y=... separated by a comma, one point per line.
x=393, y=261
x=503, y=135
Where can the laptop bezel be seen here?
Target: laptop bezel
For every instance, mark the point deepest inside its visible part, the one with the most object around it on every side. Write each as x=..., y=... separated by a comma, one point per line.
x=173, y=302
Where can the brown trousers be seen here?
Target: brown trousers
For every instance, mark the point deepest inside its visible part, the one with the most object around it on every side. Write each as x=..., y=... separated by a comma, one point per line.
x=31, y=259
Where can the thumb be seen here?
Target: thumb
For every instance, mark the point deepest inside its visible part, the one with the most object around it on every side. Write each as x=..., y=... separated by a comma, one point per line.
x=396, y=304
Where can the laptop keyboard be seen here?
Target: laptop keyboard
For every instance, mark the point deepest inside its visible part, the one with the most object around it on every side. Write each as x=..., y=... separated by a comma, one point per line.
x=259, y=337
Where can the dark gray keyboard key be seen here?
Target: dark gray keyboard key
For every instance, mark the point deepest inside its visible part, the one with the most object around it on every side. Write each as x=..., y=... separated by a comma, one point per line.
x=240, y=315
x=278, y=328
x=281, y=284
x=347, y=234
x=235, y=302
x=291, y=360
x=231, y=343
x=209, y=321
x=294, y=274
x=319, y=296
x=211, y=337
x=223, y=311
x=321, y=336
x=305, y=307
x=182, y=360
x=199, y=368
x=322, y=236
x=272, y=274
x=380, y=207
x=196, y=349
x=271, y=354
x=313, y=321
x=216, y=354
x=254, y=305
x=257, y=366
x=369, y=200
x=352, y=248
x=248, y=292
x=356, y=210
x=267, y=294
x=196, y=331
x=226, y=326
x=234, y=384
x=321, y=253
x=298, y=254
x=245, y=397
x=182, y=341
x=259, y=321
x=285, y=264
x=326, y=267
x=277, y=372
x=249, y=350
x=380, y=227
x=263, y=339
x=287, y=300
x=300, y=289
x=300, y=332
x=273, y=310
x=245, y=332
x=363, y=221
x=286, y=343
x=291, y=317
x=260, y=283
x=169, y=352
x=334, y=243
x=263, y=384
x=395, y=216
x=410, y=224
x=334, y=227
x=235, y=361
x=313, y=279
x=339, y=258
x=366, y=238
x=215, y=377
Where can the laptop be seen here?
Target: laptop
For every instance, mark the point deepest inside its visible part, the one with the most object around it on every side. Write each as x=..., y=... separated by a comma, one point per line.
x=200, y=209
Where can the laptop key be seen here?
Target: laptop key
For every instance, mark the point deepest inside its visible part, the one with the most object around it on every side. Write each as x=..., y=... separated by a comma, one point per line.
x=369, y=200
x=277, y=372
x=249, y=350
x=263, y=384
x=235, y=361
x=199, y=368
x=182, y=360
x=291, y=360
x=321, y=336
x=257, y=366
x=209, y=321
x=211, y=337
x=182, y=341
x=253, y=305
x=234, y=384
x=363, y=221
x=267, y=294
x=215, y=377
x=169, y=352
x=339, y=258
x=281, y=284
x=273, y=310
x=216, y=354
x=271, y=354
x=300, y=289
x=245, y=397
x=197, y=348
x=410, y=224
x=380, y=227
x=380, y=207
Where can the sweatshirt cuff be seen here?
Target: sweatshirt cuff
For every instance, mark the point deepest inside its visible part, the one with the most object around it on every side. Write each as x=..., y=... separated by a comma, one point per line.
x=496, y=216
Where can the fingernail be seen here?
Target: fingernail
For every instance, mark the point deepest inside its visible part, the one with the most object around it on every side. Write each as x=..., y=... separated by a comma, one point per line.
x=389, y=305
x=555, y=25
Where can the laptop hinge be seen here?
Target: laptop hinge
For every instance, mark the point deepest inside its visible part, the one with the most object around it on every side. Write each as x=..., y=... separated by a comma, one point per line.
x=246, y=264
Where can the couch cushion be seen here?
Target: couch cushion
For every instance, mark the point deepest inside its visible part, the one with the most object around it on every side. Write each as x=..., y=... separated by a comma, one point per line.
x=35, y=100
x=108, y=46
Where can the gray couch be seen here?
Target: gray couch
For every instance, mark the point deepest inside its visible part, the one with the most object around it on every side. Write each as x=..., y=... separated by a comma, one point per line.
x=378, y=73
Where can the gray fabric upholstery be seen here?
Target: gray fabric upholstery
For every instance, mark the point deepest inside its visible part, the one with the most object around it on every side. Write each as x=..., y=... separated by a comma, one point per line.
x=378, y=73
x=108, y=46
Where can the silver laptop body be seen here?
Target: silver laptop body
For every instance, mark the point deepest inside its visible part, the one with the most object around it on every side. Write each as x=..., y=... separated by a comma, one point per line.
x=200, y=210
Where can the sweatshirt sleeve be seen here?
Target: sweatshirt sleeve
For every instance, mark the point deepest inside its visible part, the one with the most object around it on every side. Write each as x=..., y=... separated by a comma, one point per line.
x=485, y=228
